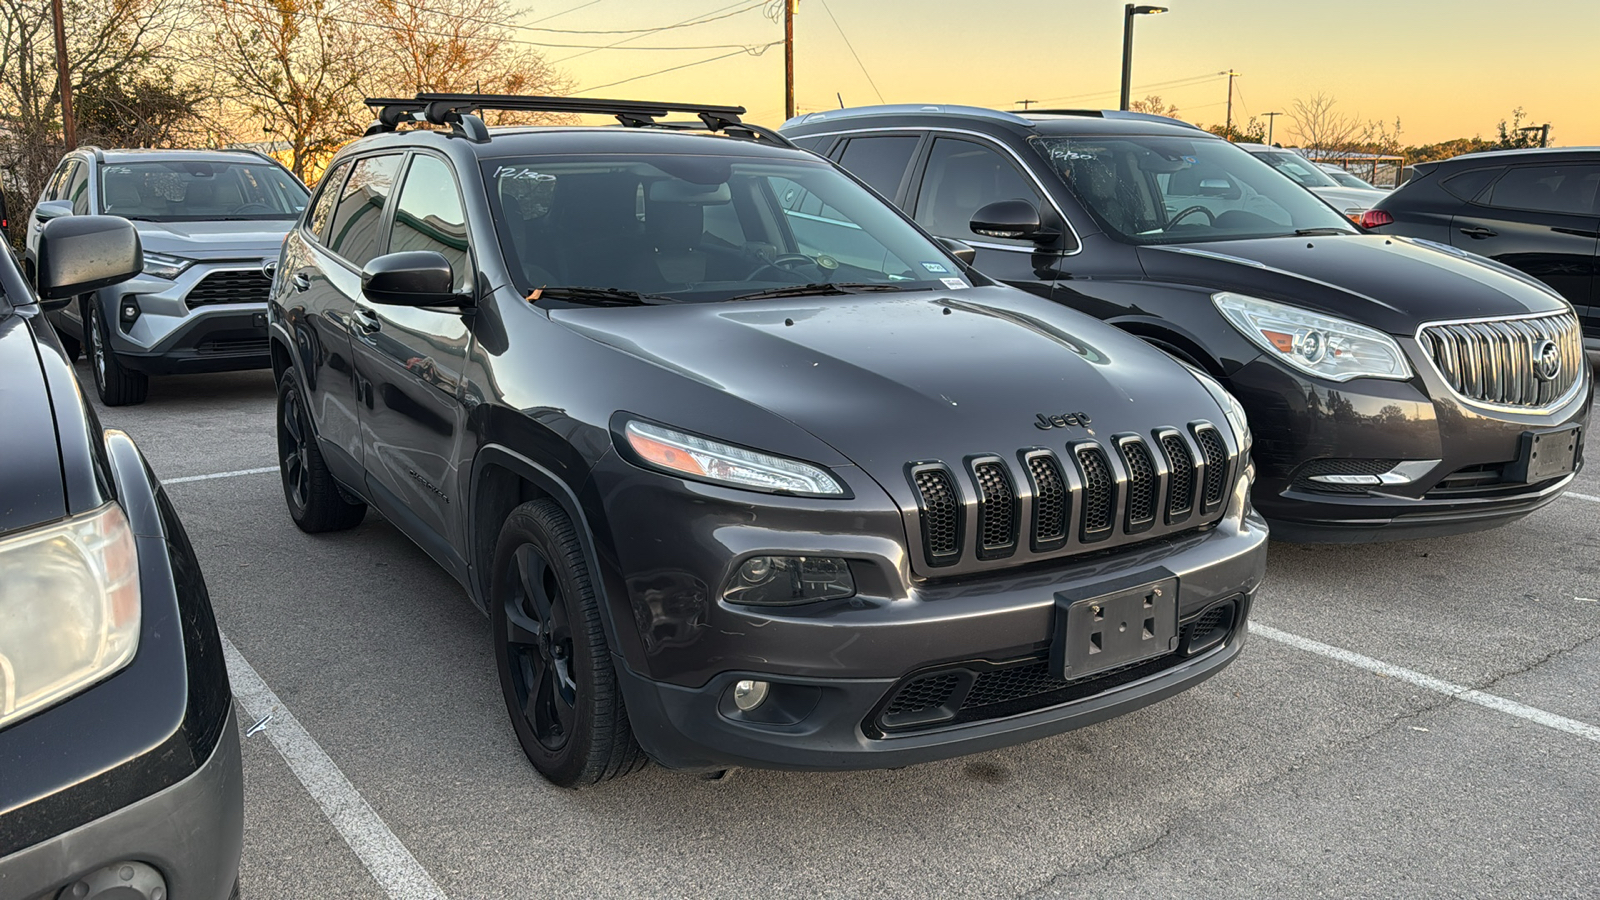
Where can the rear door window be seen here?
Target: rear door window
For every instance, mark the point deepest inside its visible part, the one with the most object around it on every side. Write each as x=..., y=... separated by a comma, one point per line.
x=1567, y=189
x=1470, y=185
x=880, y=160
x=357, y=230
x=429, y=216
x=963, y=176
x=77, y=189
x=327, y=195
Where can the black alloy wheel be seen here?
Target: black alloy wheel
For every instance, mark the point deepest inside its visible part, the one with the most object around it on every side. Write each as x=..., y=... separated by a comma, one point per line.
x=315, y=501
x=555, y=669
x=116, y=384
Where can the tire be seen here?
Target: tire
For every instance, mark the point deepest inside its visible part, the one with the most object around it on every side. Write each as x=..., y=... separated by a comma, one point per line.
x=116, y=384
x=550, y=646
x=316, y=502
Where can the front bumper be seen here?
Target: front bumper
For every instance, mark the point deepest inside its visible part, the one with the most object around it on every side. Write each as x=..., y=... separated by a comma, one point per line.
x=169, y=337
x=190, y=833
x=1298, y=420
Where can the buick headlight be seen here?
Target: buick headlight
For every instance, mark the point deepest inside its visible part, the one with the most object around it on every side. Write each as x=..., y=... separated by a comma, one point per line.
x=162, y=265
x=1313, y=343
x=69, y=609
x=708, y=460
x=1230, y=408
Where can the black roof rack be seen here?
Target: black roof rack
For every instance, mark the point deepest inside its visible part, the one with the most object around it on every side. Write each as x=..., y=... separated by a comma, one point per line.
x=457, y=111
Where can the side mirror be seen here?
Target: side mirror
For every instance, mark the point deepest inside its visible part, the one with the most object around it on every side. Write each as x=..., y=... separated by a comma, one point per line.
x=51, y=209
x=961, y=250
x=411, y=278
x=78, y=254
x=1010, y=219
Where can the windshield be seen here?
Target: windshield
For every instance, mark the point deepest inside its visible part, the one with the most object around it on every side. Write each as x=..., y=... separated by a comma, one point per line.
x=1163, y=190
x=193, y=190
x=702, y=228
x=1297, y=167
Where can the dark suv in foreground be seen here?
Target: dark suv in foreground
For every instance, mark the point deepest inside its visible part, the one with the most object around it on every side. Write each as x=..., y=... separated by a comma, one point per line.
x=210, y=221
x=119, y=754
x=1397, y=388
x=740, y=484
x=1534, y=210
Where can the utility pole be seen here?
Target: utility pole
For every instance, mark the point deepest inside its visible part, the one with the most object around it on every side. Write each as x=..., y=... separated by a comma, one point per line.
x=1229, y=127
x=790, y=7
x=1026, y=103
x=1270, y=116
x=69, y=124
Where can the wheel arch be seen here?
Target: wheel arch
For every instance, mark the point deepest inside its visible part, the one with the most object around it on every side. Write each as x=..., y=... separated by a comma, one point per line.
x=1174, y=342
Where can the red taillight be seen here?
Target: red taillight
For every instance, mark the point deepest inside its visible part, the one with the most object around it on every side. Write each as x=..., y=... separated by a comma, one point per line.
x=1375, y=218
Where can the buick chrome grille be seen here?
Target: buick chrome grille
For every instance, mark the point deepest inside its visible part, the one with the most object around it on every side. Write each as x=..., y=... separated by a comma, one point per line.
x=1047, y=502
x=1529, y=362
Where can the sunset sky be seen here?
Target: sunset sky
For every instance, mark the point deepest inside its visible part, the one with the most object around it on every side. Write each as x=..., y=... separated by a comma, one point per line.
x=1445, y=69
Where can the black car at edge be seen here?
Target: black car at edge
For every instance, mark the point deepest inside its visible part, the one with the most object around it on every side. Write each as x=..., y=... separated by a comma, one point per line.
x=119, y=754
x=1397, y=388
x=738, y=486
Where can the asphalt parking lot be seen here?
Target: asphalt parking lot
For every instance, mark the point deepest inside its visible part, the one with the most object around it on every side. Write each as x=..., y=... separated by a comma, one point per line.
x=390, y=769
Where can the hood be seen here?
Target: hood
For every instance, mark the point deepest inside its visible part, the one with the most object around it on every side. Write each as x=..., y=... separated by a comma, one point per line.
x=1391, y=283
x=888, y=379
x=1344, y=198
x=214, y=239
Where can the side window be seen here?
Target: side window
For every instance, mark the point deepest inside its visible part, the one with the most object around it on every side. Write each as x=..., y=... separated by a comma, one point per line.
x=1468, y=185
x=430, y=216
x=796, y=200
x=358, y=218
x=814, y=144
x=963, y=176
x=1558, y=189
x=880, y=161
x=77, y=189
x=55, y=188
x=327, y=194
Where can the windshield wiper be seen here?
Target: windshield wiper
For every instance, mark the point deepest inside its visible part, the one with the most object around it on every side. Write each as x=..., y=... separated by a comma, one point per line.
x=823, y=288
x=600, y=296
x=1306, y=232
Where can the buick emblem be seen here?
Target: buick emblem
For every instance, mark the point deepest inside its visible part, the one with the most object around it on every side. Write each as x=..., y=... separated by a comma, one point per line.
x=1546, y=361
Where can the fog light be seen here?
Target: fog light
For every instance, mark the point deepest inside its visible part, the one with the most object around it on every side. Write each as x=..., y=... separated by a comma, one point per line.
x=747, y=695
x=788, y=580
x=128, y=311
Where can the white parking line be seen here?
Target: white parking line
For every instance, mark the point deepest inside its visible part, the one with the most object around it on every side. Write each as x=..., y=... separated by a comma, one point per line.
x=1428, y=682
x=1576, y=496
x=235, y=474
x=390, y=863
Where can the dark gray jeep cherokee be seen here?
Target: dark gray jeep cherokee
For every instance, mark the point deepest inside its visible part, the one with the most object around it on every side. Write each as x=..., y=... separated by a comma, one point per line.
x=739, y=484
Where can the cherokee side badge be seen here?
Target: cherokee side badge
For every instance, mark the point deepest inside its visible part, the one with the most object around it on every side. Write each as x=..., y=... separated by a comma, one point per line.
x=1061, y=420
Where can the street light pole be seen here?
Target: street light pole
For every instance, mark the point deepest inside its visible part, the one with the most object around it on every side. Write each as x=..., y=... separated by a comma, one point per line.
x=1128, y=12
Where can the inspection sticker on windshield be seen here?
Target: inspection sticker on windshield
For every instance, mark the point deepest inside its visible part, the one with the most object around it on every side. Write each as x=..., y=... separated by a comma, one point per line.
x=955, y=284
x=934, y=267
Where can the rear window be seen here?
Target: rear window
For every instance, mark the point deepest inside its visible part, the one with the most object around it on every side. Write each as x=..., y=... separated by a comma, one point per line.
x=1470, y=185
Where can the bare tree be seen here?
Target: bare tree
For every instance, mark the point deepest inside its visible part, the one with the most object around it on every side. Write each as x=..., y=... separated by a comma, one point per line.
x=1317, y=126
x=450, y=45
x=1154, y=105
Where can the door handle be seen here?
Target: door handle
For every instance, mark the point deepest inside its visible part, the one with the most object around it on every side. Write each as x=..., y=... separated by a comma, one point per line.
x=1479, y=233
x=366, y=321
x=301, y=282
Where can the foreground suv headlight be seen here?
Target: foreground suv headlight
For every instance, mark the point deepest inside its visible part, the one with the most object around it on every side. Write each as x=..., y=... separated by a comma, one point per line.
x=1313, y=343
x=69, y=609
x=163, y=265
x=708, y=460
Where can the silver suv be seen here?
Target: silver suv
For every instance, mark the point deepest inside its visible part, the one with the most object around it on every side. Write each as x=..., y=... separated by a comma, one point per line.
x=211, y=223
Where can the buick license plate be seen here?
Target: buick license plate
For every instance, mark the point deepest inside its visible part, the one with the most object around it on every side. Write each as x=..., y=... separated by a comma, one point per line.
x=1545, y=455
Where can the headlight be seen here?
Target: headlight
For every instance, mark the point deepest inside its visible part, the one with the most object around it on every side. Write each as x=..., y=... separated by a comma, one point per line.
x=698, y=457
x=69, y=609
x=1230, y=408
x=1315, y=344
x=163, y=266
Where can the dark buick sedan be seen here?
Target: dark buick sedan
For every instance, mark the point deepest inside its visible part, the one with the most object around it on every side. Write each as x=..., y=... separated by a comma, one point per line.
x=1396, y=387
x=119, y=753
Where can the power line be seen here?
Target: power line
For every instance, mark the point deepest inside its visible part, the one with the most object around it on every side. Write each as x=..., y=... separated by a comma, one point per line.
x=687, y=23
x=852, y=49
x=750, y=52
x=564, y=12
x=712, y=16
x=1165, y=85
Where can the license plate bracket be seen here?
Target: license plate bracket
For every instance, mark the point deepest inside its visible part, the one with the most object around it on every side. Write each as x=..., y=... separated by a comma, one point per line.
x=1112, y=629
x=1545, y=455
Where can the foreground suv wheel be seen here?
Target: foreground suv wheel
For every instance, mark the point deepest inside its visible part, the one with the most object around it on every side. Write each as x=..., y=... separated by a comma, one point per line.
x=116, y=385
x=555, y=669
x=315, y=502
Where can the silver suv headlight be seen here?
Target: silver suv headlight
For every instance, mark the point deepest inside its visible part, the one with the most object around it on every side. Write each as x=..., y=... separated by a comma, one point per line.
x=163, y=265
x=1316, y=344
x=69, y=609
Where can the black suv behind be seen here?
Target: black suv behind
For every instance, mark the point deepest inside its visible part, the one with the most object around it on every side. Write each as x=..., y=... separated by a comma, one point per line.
x=738, y=483
x=1534, y=210
x=1397, y=388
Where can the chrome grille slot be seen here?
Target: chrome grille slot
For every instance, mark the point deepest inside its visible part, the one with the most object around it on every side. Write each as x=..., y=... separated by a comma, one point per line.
x=940, y=505
x=1140, y=512
x=1214, y=484
x=1052, y=501
x=1497, y=363
x=997, y=509
x=1099, y=492
x=1180, y=478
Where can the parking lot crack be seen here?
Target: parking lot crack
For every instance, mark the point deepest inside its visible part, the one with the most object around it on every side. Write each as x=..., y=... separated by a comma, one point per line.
x=1048, y=886
x=1530, y=666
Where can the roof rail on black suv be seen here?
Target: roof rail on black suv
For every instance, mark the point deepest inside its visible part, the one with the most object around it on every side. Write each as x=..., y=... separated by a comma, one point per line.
x=1398, y=388
x=745, y=467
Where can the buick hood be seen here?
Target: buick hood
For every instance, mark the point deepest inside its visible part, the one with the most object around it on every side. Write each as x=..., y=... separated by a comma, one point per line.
x=252, y=239
x=1390, y=283
x=887, y=379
